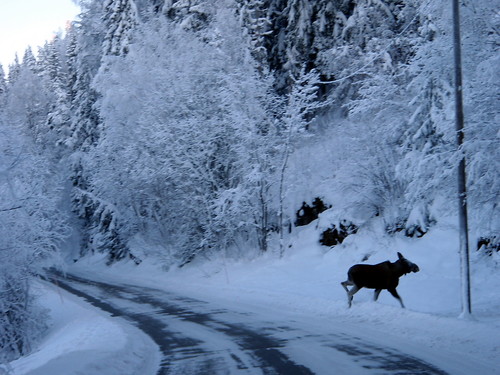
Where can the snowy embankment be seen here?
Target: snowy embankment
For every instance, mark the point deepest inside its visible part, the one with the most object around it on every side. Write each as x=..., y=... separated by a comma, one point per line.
x=306, y=282
x=83, y=340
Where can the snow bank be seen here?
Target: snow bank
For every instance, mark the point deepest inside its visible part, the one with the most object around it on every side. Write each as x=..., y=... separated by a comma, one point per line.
x=306, y=281
x=84, y=340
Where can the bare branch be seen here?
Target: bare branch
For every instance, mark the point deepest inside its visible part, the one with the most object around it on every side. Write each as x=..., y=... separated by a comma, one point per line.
x=10, y=209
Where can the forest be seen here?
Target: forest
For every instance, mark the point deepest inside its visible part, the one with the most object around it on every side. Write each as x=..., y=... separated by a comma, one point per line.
x=183, y=130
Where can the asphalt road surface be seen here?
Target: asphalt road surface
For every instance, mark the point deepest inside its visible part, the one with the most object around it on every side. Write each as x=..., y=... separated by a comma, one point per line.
x=197, y=338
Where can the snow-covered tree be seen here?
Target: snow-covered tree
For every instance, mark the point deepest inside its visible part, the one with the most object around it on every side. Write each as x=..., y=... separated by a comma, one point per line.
x=369, y=38
x=59, y=118
x=85, y=57
x=406, y=103
x=254, y=18
x=29, y=60
x=245, y=210
x=191, y=15
x=301, y=105
x=31, y=229
x=120, y=18
x=14, y=69
x=481, y=25
x=179, y=137
x=3, y=83
x=409, y=106
x=173, y=114
x=28, y=102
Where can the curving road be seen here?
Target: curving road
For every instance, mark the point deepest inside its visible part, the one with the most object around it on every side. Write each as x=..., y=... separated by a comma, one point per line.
x=197, y=338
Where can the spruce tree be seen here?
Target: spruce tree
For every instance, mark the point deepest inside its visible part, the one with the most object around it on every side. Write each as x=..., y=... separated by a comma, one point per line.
x=3, y=83
x=14, y=69
x=120, y=18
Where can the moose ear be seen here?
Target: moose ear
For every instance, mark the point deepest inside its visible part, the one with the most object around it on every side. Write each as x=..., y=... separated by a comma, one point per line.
x=400, y=256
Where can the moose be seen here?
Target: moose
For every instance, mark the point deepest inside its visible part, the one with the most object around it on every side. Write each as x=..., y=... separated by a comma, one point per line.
x=380, y=276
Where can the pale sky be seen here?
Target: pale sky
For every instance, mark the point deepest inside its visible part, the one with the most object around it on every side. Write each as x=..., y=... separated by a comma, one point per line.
x=31, y=22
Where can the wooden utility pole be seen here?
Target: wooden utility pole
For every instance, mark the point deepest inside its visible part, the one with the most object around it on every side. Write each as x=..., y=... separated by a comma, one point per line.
x=462, y=182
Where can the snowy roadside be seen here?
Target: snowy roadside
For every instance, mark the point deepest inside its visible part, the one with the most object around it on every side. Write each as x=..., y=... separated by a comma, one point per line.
x=83, y=340
x=455, y=345
x=303, y=286
x=306, y=283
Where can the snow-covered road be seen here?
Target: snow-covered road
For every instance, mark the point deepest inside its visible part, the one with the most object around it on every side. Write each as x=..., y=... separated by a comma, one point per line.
x=201, y=337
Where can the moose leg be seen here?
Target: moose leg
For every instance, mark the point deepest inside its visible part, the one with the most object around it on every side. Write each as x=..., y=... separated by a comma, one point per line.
x=396, y=295
x=351, y=293
x=345, y=284
x=377, y=292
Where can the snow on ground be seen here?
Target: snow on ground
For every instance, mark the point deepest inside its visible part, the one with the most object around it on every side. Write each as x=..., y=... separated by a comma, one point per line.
x=306, y=281
x=84, y=340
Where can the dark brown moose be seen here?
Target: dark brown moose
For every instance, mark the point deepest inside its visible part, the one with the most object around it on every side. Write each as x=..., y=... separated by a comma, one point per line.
x=380, y=276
